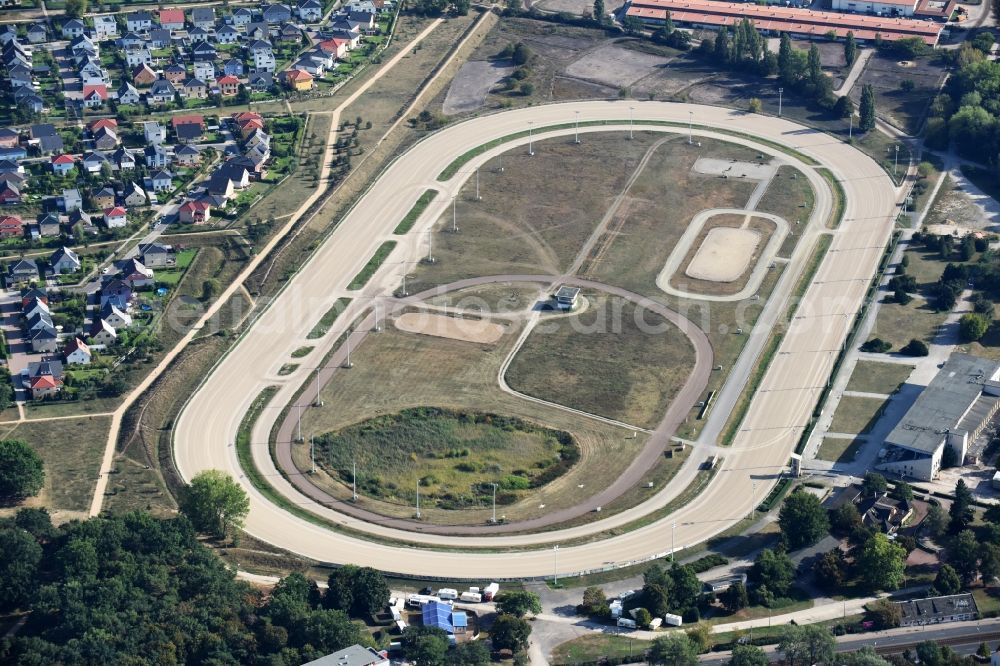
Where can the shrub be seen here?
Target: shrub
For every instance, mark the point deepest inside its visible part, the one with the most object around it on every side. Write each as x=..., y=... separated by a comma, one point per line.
x=915, y=348
x=876, y=346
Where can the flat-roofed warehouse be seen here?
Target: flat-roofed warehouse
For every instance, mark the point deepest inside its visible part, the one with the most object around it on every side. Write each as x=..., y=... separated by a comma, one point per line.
x=804, y=23
x=952, y=411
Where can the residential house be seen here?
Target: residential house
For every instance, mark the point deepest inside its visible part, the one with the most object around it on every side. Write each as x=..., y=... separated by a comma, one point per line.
x=204, y=71
x=157, y=255
x=64, y=260
x=310, y=11
x=189, y=133
x=19, y=75
x=82, y=219
x=45, y=138
x=262, y=56
x=159, y=38
x=154, y=133
x=172, y=19
x=227, y=34
x=11, y=226
x=365, y=20
x=277, y=13
x=187, y=155
x=258, y=30
x=115, y=217
x=71, y=200
x=133, y=273
x=192, y=119
x=38, y=321
x=105, y=27
x=261, y=81
x=92, y=73
x=94, y=161
x=49, y=224
x=83, y=46
x=9, y=137
x=143, y=76
x=219, y=185
x=32, y=102
x=334, y=47
x=94, y=96
x=44, y=339
x=175, y=73
x=29, y=294
x=105, y=138
x=118, y=319
x=77, y=353
x=204, y=52
x=15, y=153
x=132, y=41
x=156, y=157
x=194, y=89
x=127, y=94
x=102, y=333
x=33, y=308
x=233, y=67
x=161, y=92
x=10, y=194
x=228, y=85
x=141, y=21
x=104, y=198
x=117, y=293
x=136, y=57
x=102, y=123
x=134, y=196
x=22, y=271
x=290, y=33
x=62, y=164
x=43, y=378
x=366, y=6
x=72, y=28
x=298, y=80
x=194, y=212
x=203, y=17
x=11, y=166
x=241, y=16
x=196, y=35
x=38, y=33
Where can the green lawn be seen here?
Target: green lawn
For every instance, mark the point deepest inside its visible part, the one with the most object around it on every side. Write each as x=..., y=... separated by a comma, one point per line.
x=874, y=377
x=381, y=254
x=856, y=415
x=418, y=208
x=322, y=327
x=839, y=450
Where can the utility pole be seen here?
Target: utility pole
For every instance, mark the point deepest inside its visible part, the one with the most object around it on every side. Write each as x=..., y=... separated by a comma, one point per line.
x=576, y=129
x=430, y=246
x=555, y=564
x=347, y=341
x=418, y=500
x=494, y=519
x=500, y=162
x=690, y=123
x=312, y=454
x=478, y=198
x=530, y=151
x=780, y=91
x=317, y=402
x=354, y=480
x=673, y=541
x=895, y=161
x=454, y=211
x=630, y=110
x=378, y=326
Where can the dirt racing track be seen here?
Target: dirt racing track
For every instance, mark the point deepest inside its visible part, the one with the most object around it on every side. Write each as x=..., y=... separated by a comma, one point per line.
x=205, y=431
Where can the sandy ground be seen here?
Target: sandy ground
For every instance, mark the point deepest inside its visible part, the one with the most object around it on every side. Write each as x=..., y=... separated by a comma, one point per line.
x=615, y=66
x=733, y=169
x=724, y=255
x=471, y=85
x=576, y=7
x=453, y=328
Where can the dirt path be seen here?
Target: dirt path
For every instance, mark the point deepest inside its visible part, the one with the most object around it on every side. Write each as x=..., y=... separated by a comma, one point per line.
x=659, y=439
x=321, y=184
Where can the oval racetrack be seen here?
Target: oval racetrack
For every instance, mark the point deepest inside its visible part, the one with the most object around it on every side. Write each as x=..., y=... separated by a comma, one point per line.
x=206, y=428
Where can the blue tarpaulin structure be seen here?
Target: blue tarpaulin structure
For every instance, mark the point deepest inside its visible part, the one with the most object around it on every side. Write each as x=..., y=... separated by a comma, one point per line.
x=436, y=614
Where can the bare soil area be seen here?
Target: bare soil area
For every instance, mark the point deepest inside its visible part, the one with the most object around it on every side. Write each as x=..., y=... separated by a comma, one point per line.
x=481, y=331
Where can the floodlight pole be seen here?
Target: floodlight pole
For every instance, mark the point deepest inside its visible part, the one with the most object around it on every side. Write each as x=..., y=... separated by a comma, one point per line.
x=494, y=502
x=500, y=162
x=378, y=326
x=780, y=91
x=312, y=454
x=555, y=564
x=478, y=198
x=298, y=426
x=850, y=128
x=895, y=162
x=753, y=500
x=673, y=541
x=418, y=499
x=630, y=109
x=354, y=480
x=454, y=214
x=576, y=129
x=317, y=402
x=347, y=341
x=530, y=151
x=430, y=246
x=690, y=125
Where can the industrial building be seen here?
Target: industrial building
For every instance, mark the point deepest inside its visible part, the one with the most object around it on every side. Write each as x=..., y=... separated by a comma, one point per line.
x=772, y=19
x=355, y=655
x=936, y=9
x=951, y=412
x=937, y=610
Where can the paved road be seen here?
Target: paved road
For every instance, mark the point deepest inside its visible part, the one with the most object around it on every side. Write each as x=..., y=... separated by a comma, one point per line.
x=205, y=430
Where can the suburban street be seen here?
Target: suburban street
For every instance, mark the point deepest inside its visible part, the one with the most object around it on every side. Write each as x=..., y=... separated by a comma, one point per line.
x=207, y=427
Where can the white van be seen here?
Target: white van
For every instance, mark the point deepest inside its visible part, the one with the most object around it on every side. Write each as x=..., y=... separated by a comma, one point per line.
x=471, y=597
x=447, y=593
x=626, y=623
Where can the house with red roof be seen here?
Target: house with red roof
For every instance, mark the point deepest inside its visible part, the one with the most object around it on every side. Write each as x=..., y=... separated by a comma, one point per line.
x=77, y=352
x=195, y=212
x=335, y=46
x=177, y=121
x=115, y=217
x=143, y=76
x=62, y=164
x=298, y=80
x=94, y=95
x=229, y=85
x=172, y=19
x=43, y=378
x=11, y=226
x=102, y=123
x=9, y=193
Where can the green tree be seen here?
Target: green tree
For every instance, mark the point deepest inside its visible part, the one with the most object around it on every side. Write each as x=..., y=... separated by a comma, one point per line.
x=209, y=288
x=599, y=11
x=803, y=520
x=773, y=570
x=866, y=656
x=936, y=522
x=946, y=581
x=885, y=614
x=850, y=49
x=845, y=519
x=369, y=592
x=786, y=60
x=809, y=644
x=748, y=655
x=844, y=107
x=18, y=568
x=673, y=650
x=76, y=8
x=685, y=588
x=632, y=25
x=425, y=646
x=882, y=563
x=521, y=55
x=930, y=654
x=734, y=598
x=874, y=485
x=700, y=635
x=643, y=618
x=829, y=570
x=915, y=348
x=867, y=108
x=961, y=514
x=22, y=472
x=963, y=555
x=510, y=633
x=755, y=105
x=973, y=326
x=471, y=653
x=214, y=503
x=815, y=67
x=904, y=491
x=519, y=603
x=594, y=601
